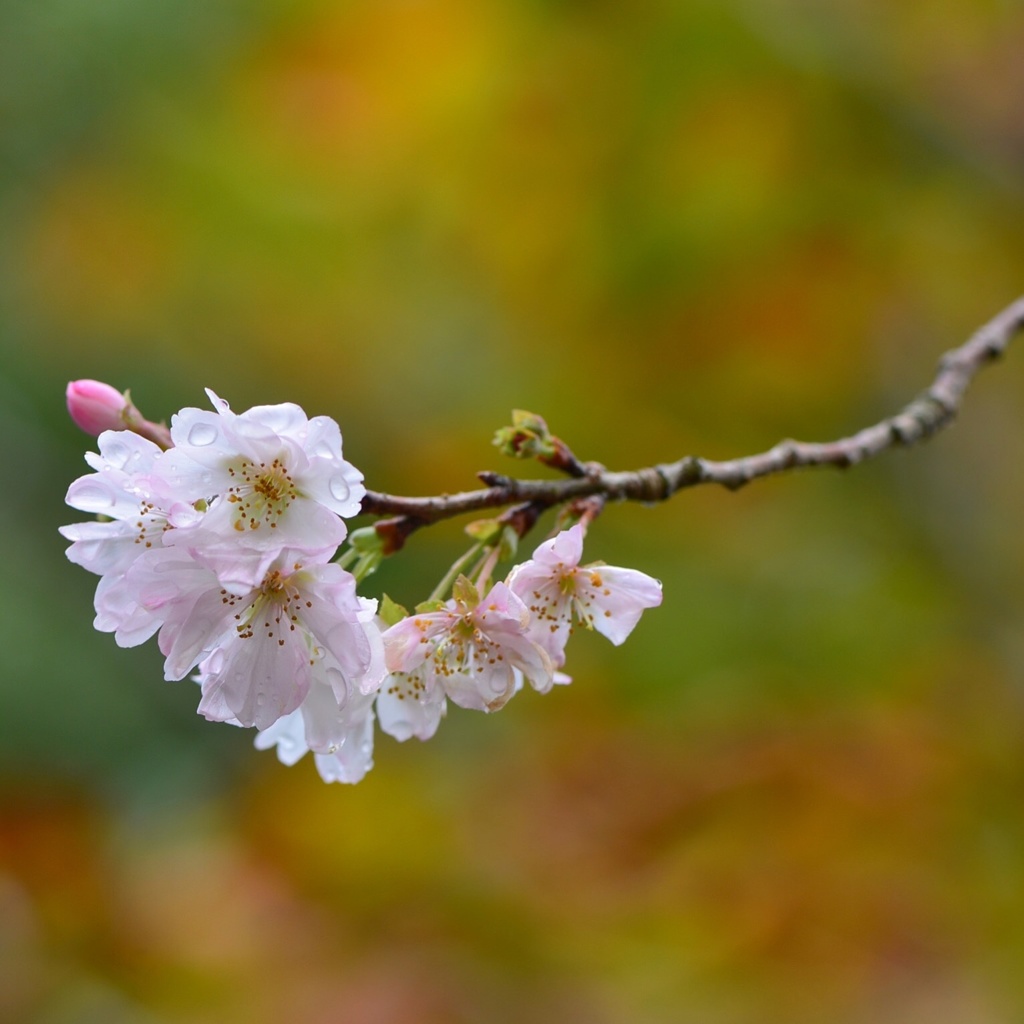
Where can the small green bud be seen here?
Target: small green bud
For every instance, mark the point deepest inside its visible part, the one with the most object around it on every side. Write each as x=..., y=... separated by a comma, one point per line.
x=527, y=438
x=364, y=553
x=524, y=420
x=487, y=531
x=465, y=593
x=391, y=611
x=366, y=541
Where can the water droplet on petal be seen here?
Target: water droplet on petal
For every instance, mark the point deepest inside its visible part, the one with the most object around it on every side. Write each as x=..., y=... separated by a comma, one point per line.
x=202, y=434
x=334, y=678
x=117, y=453
x=261, y=699
x=339, y=487
x=91, y=497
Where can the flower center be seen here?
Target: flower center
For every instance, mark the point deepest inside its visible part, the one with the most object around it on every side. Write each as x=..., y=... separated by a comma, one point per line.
x=466, y=649
x=273, y=609
x=261, y=493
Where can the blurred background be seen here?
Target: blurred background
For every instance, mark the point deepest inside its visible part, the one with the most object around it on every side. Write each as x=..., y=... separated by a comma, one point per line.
x=797, y=794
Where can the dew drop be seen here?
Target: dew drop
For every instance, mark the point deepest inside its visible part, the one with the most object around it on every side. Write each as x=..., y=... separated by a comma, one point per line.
x=323, y=450
x=91, y=497
x=202, y=434
x=261, y=699
x=118, y=454
x=339, y=487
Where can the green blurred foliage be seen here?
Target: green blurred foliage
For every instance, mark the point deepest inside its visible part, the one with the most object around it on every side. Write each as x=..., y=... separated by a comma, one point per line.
x=797, y=794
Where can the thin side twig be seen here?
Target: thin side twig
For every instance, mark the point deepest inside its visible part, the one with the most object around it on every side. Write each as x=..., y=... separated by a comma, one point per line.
x=934, y=409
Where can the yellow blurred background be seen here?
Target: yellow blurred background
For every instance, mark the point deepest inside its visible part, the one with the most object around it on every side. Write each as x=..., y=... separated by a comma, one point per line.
x=797, y=793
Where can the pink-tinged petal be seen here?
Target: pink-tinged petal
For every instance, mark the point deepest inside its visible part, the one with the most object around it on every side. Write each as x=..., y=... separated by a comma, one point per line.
x=565, y=549
x=181, y=515
x=239, y=570
x=409, y=642
x=340, y=736
x=187, y=599
x=322, y=439
x=612, y=599
x=118, y=612
x=376, y=670
x=324, y=721
x=329, y=726
x=488, y=690
x=191, y=630
x=211, y=705
x=338, y=487
x=287, y=734
x=353, y=760
x=262, y=679
x=356, y=653
x=306, y=526
x=167, y=577
x=501, y=604
x=102, y=548
x=410, y=705
x=530, y=658
x=284, y=420
x=549, y=607
x=205, y=436
x=219, y=404
x=126, y=451
x=102, y=494
x=342, y=624
x=181, y=475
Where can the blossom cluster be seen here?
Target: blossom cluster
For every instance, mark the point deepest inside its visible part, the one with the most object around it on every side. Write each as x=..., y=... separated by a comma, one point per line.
x=220, y=538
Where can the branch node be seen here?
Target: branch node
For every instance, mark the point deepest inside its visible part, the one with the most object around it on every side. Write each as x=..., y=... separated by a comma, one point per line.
x=496, y=479
x=653, y=485
x=394, y=532
x=690, y=471
x=788, y=452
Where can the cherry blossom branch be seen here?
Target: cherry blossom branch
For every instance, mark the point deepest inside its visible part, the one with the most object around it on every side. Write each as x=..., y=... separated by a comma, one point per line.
x=932, y=410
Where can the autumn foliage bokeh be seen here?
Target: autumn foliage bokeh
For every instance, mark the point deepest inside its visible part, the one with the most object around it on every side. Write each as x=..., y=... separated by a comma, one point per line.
x=797, y=794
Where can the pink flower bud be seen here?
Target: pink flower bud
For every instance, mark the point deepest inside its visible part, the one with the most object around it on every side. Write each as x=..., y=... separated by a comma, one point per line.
x=96, y=407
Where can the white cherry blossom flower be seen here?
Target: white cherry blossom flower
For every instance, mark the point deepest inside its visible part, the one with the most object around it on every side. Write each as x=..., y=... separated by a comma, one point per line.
x=558, y=591
x=137, y=506
x=274, y=477
x=139, y=510
x=471, y=648
x=259, y=645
